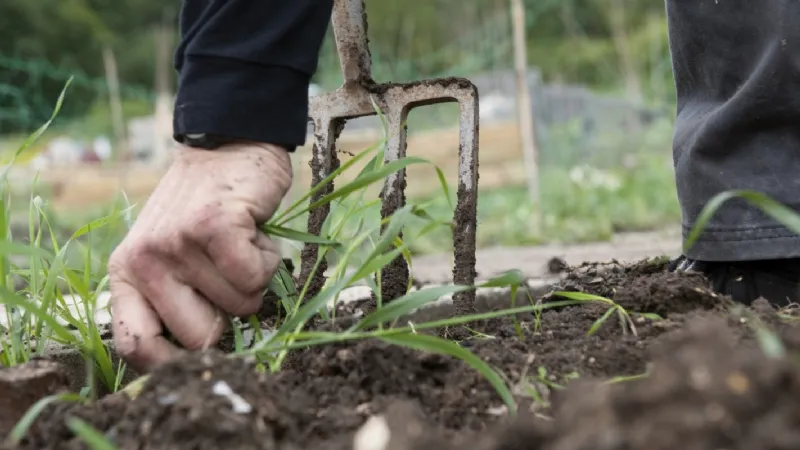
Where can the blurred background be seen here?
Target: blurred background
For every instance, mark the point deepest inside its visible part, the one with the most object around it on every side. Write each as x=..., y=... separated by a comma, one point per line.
x=598, y=73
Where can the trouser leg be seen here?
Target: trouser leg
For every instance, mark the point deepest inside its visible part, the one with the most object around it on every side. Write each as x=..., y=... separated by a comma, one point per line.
x=737, y=73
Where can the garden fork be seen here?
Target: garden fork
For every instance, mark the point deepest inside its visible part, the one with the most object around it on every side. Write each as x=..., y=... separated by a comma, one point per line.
x=355, y=98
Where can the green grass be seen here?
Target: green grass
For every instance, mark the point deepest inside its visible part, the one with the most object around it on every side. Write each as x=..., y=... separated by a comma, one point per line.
x=583, y=204
x=50, y=267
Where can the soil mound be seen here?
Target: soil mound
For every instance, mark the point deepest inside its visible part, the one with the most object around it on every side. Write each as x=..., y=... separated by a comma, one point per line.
x=698, y=378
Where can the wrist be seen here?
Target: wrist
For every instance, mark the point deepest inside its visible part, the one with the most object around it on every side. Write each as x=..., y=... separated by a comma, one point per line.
x=272, y=160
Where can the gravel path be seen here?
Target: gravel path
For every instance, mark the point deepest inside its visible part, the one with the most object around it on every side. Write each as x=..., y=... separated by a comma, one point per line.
x=532, y=261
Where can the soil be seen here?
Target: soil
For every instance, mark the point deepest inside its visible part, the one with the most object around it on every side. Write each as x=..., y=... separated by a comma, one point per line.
x=698, y=377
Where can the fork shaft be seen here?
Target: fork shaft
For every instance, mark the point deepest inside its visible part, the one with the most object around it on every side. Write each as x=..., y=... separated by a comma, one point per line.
x=350, y=30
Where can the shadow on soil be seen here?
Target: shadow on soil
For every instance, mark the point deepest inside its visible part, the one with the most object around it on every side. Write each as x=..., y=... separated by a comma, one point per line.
x=696, y=379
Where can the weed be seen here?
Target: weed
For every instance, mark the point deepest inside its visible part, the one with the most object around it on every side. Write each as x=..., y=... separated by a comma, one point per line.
x=88, y=434
x=41, y=313
x=626, y=322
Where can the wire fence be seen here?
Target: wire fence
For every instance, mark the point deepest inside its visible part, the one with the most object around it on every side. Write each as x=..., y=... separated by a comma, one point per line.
x=573, y=123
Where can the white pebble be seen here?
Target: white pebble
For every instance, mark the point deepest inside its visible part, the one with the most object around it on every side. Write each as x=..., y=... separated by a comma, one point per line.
x=373, y=435
x=240, y=405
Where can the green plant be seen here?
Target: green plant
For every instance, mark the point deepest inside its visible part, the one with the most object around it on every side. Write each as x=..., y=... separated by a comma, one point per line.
x=88, y=434
x=626, y=322
x=40, y=312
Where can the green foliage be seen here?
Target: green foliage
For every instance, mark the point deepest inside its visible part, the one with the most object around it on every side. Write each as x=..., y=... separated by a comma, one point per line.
x=582, y=204
x=569, y=40
x=39, y=313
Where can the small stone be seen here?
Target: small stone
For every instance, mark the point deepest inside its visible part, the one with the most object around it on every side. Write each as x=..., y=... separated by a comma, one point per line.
x=364, y=408
x=238, y=404
x=738, y=382
x=501, y=410
x=344, y=354
x=373, y=435
x=557, y=265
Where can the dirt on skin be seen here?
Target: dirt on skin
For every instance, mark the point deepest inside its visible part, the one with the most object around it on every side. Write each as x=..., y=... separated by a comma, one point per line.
x=698, y=380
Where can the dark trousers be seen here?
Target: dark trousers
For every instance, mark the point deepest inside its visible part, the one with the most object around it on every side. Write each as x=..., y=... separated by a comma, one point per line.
x=244, y=68
x=737, y=73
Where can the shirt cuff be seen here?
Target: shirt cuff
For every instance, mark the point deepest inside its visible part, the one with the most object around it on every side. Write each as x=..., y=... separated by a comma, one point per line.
x=242, y=101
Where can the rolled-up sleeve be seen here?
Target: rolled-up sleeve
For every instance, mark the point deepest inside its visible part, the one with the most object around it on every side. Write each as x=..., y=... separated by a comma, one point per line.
x=244, y=67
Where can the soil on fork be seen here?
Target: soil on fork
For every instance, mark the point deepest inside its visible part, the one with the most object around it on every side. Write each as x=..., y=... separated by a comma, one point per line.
x=696, y=377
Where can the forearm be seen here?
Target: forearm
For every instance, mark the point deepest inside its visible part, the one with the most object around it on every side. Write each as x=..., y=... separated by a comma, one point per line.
x=244, y=67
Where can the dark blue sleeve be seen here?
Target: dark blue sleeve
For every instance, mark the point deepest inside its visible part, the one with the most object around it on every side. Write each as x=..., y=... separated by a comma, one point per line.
x=244, y=67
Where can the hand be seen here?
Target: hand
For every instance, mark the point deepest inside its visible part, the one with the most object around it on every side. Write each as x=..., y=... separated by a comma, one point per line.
x=195, y=252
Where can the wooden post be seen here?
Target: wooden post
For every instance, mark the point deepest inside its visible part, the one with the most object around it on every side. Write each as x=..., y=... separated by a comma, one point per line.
x=115, y=102
x=525, y=106
x=121, y=153
x=162, y=117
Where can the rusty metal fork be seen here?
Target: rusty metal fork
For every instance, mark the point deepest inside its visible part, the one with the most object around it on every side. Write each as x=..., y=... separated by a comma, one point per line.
x=355, y=98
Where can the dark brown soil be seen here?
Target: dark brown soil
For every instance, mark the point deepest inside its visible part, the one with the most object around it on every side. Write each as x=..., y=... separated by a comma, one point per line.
x=696, y=379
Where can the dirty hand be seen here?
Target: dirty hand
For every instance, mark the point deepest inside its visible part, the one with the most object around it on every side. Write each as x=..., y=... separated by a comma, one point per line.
x=195, y=253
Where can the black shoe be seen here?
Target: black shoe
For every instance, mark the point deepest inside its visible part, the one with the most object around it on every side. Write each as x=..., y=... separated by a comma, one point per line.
x=776, y=280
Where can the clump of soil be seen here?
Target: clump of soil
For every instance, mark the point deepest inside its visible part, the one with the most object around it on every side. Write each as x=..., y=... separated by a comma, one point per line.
x=698, y=380
x=645, y=287
x=319, y=401
x=704, y=392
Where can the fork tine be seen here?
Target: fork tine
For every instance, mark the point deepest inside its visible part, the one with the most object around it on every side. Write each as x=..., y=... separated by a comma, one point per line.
x=355, y=98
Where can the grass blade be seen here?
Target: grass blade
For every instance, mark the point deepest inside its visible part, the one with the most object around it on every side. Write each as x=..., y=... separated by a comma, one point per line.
x=93, y=438
x=299, y=236
x=509, y=278
x=407, y=303
x=597, y=323
x=311, y=307
x=16, y=248
x=21, y=428
x=9, y=298
x=581, y=296
x=359, y=183
x=99, y=223
x=773, y=208
x=281, y=218
x=38, y=133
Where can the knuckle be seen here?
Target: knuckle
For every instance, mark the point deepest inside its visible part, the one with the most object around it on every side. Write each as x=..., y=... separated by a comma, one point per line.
x=175, y=244
x=248, y=306
x=134, y=261
x=139, y=258
x=209, y=218
x=251, y=277
x=234, y=264
x=116, y=262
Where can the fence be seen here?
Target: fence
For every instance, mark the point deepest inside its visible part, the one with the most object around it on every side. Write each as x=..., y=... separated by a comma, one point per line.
x=573, y=123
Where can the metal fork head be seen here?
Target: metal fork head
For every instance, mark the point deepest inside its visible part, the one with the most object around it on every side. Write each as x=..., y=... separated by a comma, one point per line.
x=355, y=98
